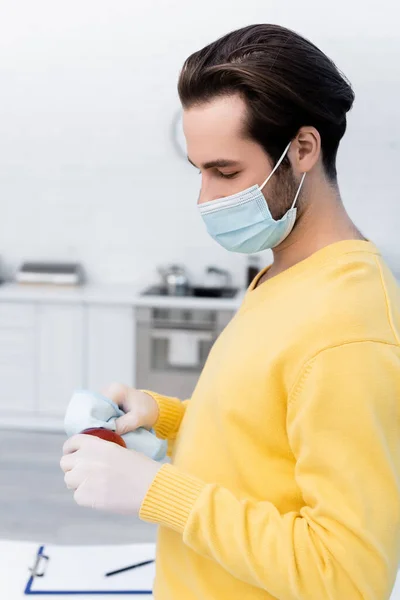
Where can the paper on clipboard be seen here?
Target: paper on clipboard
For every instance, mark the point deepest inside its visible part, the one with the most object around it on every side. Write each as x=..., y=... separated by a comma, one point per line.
x=82, y=569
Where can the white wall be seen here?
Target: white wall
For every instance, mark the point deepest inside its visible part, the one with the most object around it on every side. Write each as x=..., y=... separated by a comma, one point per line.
x=87, y=95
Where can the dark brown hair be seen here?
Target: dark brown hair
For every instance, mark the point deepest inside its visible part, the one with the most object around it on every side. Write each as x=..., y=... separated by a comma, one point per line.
x=286, y=81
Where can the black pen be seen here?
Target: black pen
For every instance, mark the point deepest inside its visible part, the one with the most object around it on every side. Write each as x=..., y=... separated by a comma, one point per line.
x=141, y=564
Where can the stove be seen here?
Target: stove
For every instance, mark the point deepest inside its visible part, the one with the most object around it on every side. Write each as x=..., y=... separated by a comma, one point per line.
x=194, y=291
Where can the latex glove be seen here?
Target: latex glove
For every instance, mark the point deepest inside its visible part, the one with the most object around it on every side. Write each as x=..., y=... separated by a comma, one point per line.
x=106, y=476
x=141, y=409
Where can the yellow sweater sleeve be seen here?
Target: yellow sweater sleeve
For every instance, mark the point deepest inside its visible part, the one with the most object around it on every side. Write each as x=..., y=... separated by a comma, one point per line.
x=343, y=427
x=171, y=412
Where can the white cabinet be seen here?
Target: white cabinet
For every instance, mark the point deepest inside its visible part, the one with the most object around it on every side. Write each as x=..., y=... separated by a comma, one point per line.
x=50, y=348
x=17, y=315
x=17, y=357
x=61, y=355
x=110, y=352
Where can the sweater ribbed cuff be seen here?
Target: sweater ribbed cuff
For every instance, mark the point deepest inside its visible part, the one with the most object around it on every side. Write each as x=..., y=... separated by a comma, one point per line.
x=170, y=415
x=170, y=498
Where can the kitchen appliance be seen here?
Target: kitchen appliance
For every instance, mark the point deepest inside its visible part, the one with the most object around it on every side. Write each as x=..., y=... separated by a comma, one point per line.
x=217, y=278
x=175, y=280
x=55, y=273
x=196, y=291
x=173, y=345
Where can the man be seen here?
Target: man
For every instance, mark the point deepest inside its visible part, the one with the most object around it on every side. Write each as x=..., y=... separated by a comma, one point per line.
x=285, y=474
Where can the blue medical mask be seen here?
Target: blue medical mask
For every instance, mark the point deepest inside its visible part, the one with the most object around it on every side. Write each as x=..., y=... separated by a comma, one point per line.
x=243, y=222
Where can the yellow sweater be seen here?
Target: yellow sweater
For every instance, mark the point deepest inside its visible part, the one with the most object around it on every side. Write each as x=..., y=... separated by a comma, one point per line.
x=285, y=480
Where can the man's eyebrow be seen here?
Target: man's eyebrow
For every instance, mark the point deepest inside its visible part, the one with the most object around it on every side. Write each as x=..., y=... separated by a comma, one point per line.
x=218, y=163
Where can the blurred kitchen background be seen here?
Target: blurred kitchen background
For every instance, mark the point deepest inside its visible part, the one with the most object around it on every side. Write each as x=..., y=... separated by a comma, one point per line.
x=108, y=272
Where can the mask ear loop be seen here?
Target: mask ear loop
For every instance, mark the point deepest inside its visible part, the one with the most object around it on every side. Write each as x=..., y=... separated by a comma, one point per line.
x=298, y=190
x=276, y=166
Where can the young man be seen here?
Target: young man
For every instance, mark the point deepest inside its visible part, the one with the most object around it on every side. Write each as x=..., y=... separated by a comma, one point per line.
x=285, y=474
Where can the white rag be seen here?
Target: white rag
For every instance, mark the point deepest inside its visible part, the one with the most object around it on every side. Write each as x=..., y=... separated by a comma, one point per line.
x=89, y=409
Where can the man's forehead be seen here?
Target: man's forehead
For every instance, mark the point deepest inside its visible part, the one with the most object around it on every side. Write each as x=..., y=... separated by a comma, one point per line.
x=222, y=116
x=213, y=130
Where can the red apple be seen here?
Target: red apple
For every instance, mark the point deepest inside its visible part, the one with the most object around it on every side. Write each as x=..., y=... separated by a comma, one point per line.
x=105, y=434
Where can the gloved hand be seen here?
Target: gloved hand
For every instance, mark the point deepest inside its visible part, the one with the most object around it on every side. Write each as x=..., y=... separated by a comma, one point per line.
x=140, y=408
x=106, y=476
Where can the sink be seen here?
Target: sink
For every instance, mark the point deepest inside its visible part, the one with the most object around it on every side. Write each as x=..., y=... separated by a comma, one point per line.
x=195, y=291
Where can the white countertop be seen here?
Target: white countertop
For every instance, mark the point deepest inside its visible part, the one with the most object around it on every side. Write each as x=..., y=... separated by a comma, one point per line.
x=120, y=294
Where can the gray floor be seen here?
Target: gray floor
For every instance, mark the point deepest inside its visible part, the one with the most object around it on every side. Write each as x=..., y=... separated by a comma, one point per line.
x=35, y=504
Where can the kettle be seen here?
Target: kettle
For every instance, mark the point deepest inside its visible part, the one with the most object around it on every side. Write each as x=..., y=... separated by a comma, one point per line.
x=175, y=280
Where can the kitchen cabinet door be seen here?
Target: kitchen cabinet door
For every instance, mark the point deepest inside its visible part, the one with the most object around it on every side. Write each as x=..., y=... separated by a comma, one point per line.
x=110, y=348
x=61, y=340
x=17, y=358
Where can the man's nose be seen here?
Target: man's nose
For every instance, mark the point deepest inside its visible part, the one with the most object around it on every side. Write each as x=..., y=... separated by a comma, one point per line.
x=207, y=195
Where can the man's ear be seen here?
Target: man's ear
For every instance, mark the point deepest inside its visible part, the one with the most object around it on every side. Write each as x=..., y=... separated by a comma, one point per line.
x=305, y=149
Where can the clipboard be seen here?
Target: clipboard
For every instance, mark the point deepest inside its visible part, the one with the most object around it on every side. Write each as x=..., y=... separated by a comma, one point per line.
x=81, y=570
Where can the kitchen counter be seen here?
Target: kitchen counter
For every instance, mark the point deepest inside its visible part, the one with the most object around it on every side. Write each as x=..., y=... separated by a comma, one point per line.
x=119, y=294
